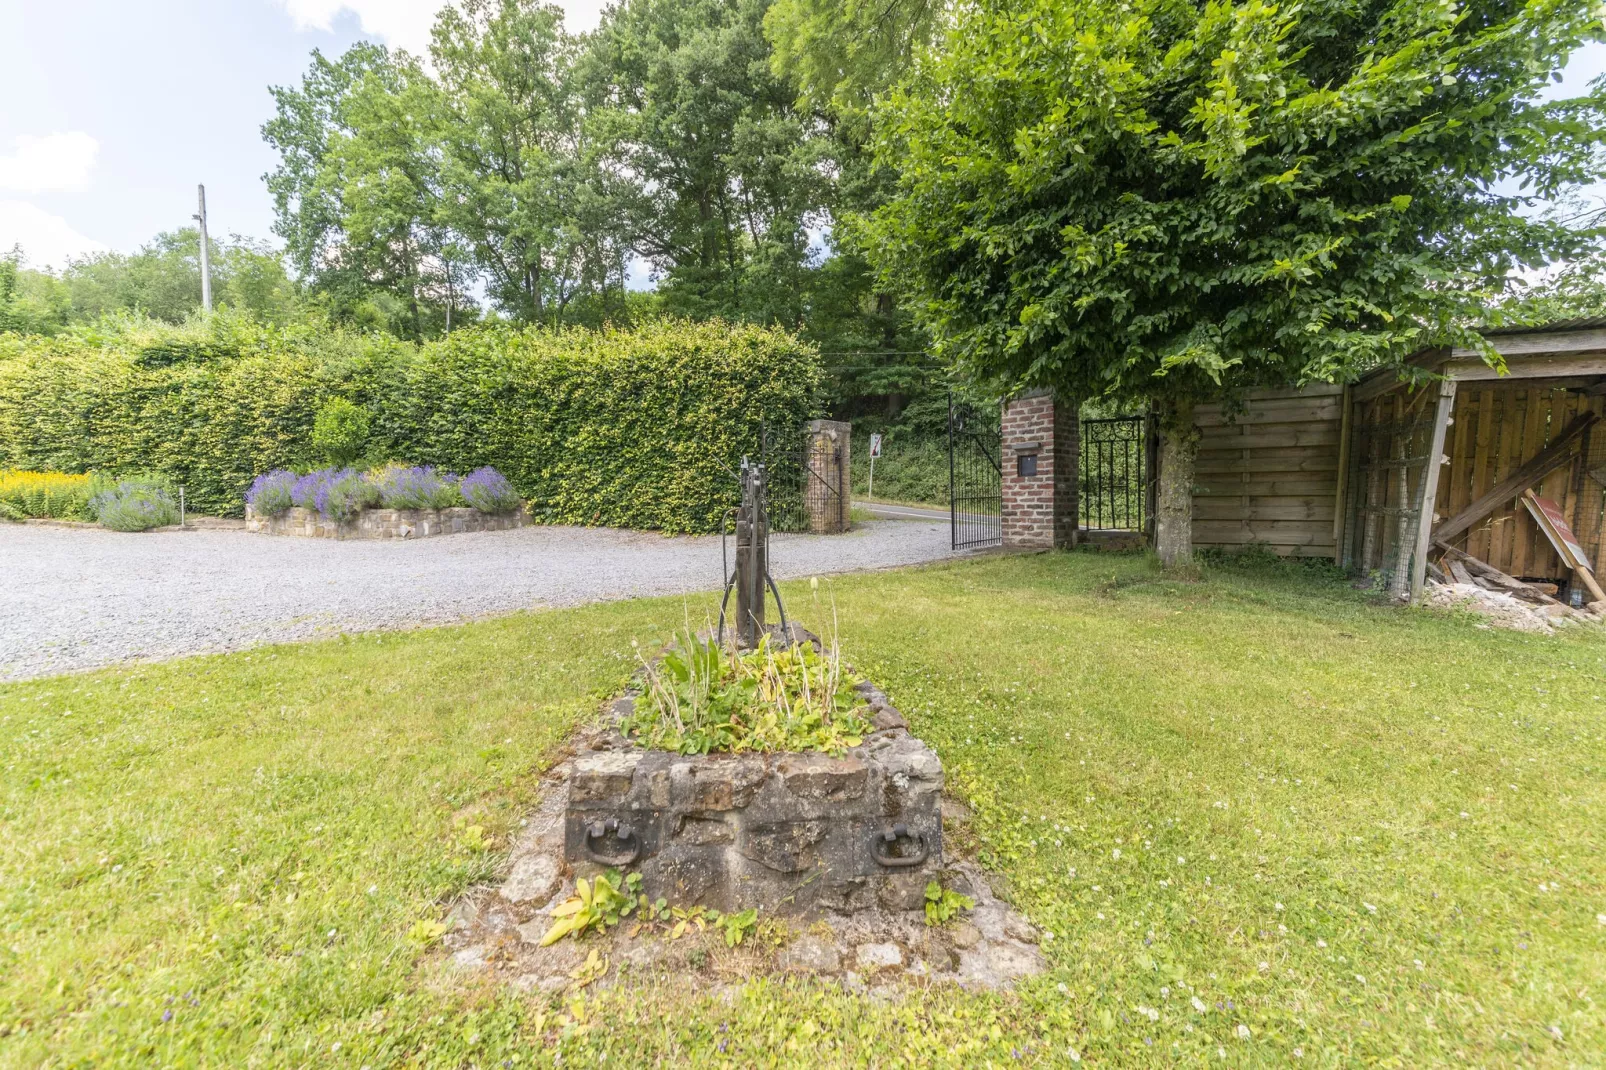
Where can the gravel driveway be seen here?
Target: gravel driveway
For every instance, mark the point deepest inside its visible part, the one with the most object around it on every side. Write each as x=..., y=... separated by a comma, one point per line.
x=74, y=599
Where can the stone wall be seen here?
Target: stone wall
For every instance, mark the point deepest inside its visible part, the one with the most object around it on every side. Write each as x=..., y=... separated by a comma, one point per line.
x=796, y=834
x=382, y=523
x=1039, y=462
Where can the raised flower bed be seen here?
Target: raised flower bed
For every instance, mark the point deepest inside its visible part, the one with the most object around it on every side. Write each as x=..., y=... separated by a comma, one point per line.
x=395, y=502
x=722, y=808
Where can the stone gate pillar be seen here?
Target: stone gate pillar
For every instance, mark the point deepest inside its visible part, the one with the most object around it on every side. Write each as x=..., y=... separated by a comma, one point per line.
x=1039, y=460
x=828, y=495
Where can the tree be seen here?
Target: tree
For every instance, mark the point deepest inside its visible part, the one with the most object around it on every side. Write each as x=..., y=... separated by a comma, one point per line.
x=162, y=280
x=359, y=190
x=518, y=181
x=1176, y=201
x=724, y=170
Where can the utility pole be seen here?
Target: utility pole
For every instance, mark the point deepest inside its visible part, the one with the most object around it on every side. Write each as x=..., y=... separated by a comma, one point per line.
x=206, y=256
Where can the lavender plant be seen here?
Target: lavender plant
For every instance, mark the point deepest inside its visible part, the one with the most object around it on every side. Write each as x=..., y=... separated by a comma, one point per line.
x=488, y=490
x=337, y=493
x=423, y=487
x=134, y=505
x=270, y=493
x=305, y=491
x=345, y=494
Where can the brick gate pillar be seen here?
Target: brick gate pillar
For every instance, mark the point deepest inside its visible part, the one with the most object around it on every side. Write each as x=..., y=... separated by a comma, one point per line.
x=1039, y=462
x=828, y=495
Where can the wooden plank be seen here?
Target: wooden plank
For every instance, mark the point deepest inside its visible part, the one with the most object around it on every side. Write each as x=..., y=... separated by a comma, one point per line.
x=1509, y=488
x=1384, y=380
x=1280, y=412
x=1342, y=488
x=1275, y=437
x=1533, y=367
x=1478, y=541
x=1302, y=532
x=1270, y=465
x=1457, y=486
x=1216, y=451
x=1531, y=345
x=1458, y=571
x=1295, y=486
x=1508, y=457
x=1535, y=419
x=1592, y=500
x=1430, y=487
x=1263, y=509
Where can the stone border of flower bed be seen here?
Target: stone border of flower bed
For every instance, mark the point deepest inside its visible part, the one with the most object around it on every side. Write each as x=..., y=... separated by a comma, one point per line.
x=383, y=523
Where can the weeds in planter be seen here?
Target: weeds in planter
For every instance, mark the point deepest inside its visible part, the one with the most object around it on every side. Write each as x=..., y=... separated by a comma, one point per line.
x=596, y=906
x=700, y=698
x=942, y=904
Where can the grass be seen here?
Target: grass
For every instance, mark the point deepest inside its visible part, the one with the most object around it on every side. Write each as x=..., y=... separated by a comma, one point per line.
x=1365, y=835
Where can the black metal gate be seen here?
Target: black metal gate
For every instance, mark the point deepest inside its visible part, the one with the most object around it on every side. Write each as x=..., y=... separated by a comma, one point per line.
x=803, y=490
x=1113, y=479
x=975, y=476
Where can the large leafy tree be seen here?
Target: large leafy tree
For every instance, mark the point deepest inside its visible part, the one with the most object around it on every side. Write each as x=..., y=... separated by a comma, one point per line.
x=358, y=191
x=725, y=170
x=544, y=222
x=1171, y=201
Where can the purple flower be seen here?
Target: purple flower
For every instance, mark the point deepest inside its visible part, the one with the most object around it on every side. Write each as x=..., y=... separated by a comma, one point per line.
x=338, y=493
x=418, y=488
x=271, y=492
x=167, y=1015
x=488, y=490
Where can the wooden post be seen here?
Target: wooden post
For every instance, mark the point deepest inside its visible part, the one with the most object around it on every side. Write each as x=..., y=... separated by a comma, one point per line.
x=1340, y=512
x=752, y=531
x=1430, y=488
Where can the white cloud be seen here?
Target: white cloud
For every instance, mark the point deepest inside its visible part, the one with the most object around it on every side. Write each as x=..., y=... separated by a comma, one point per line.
x=402, y=23
x=45, y=239
x=406, y=23
x=54, y=163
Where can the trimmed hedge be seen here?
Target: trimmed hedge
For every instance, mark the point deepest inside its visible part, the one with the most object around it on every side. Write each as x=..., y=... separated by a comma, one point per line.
x=625, y=428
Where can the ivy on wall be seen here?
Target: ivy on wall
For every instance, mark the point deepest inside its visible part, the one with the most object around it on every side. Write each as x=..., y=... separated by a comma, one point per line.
x=630, y=428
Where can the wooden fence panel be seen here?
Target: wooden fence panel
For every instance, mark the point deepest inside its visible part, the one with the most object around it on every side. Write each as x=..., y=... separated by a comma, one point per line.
x=1268, y=475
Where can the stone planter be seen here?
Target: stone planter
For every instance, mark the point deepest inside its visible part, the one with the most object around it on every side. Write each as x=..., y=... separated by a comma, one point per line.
x=793, y=834
x=382, y=523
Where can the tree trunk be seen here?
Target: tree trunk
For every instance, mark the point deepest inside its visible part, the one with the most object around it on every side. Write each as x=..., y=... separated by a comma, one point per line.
x=1179, y=448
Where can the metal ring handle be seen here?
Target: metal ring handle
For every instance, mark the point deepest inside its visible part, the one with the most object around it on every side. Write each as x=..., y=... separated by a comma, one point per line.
x=622, y=834
x=888, y=837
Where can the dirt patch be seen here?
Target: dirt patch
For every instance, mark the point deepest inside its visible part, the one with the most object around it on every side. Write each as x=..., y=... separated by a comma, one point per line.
x=1501, y=610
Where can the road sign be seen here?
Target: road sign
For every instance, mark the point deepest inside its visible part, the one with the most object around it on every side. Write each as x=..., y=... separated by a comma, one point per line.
x=875, y=445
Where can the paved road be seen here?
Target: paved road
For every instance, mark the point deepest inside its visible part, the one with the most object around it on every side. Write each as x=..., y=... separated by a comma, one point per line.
x=902, y=512
x=74, y=599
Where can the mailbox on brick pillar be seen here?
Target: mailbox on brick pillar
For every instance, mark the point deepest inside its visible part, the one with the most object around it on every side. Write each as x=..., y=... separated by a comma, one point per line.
x=1039, y=470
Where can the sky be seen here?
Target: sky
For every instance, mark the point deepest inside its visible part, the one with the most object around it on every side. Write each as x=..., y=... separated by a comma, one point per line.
x=114, y=110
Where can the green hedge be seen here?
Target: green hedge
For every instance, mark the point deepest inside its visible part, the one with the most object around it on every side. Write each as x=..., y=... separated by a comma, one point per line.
x=622, y=428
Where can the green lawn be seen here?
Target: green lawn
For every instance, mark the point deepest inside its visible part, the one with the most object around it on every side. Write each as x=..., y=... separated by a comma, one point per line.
x=1363, y=834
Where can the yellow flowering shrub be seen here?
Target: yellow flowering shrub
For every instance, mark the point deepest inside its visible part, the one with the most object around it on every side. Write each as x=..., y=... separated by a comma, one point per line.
x=26, y=494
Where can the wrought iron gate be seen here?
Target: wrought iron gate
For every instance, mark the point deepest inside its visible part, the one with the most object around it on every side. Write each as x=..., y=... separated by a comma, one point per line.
x=1114, y=474
x=804, y=495
x=975, y=477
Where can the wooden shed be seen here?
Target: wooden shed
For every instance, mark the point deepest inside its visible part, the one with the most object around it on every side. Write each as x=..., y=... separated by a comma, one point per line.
x=1380, y=475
